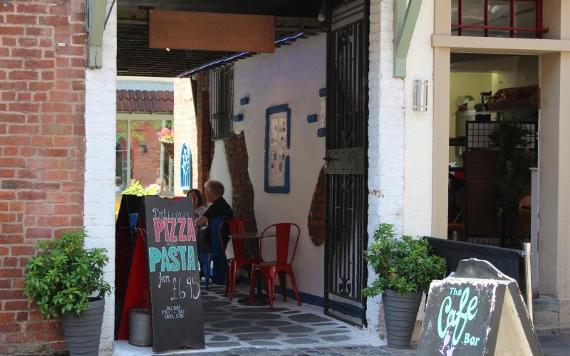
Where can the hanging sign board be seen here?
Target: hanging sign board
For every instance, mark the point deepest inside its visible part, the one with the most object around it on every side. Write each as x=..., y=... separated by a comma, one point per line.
x=177, y=318
x=478, y=311
x=211, y=31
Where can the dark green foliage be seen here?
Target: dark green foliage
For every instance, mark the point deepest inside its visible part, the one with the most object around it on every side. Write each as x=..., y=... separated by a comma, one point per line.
x=404, y=264
x=513, y=174
x=63, y=275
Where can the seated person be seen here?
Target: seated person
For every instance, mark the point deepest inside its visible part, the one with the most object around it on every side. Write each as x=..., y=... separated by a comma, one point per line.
x=197, y=200
x=218, y=208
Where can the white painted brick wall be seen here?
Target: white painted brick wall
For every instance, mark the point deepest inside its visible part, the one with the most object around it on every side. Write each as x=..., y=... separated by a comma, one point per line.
x=99, y=195
x=400, y=140
x=385, y=137
x=185, y=130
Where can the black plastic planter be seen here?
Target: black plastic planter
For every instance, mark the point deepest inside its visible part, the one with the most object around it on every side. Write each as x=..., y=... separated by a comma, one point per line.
x=400, y=312
x=82, y=333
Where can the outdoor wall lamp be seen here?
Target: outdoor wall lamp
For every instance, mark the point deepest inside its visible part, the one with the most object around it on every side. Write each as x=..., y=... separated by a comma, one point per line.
x=322, y=12
x=420, y=95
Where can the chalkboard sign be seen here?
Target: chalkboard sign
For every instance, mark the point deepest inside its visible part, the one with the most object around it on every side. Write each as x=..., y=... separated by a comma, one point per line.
x=478, y=311
x=177, y=318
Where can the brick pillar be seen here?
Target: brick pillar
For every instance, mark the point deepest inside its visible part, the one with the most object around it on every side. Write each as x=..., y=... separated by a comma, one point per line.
x=205, y=143
x=42, y=133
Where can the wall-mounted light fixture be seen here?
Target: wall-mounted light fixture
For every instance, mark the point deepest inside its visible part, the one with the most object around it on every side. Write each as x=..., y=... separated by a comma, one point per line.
x=322, y=11
x=420, y=95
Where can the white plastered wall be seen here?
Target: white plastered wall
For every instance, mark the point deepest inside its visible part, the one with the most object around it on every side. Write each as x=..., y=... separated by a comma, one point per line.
x=185, y=130
x=99, y=194
x=220, y=170
x=399, y=139
x=292, y=75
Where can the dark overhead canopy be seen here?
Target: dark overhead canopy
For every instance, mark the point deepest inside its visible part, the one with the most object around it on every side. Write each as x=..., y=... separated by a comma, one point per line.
x=134, y=58
x=285, y=8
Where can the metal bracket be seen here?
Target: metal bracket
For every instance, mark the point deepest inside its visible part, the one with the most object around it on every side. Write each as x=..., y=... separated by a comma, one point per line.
x=405, y=19
x=96, y=13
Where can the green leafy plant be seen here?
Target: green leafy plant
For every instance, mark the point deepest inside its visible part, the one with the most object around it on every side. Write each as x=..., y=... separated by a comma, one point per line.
x=137, y=189
x=402, y=264
x=64, y=276
x=513, y=174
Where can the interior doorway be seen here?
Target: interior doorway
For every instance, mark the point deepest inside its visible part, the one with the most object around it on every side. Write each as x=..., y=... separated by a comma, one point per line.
x=493, y=148
x=340, y=94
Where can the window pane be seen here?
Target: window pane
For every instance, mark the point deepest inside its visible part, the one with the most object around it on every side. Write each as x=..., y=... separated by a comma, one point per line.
x=473, y=14
x=121, y=175
x=499, y=15
x=526, y=18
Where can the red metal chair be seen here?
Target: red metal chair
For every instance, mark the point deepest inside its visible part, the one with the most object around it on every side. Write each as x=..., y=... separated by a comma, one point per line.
x=236, y=226
x=281, y=266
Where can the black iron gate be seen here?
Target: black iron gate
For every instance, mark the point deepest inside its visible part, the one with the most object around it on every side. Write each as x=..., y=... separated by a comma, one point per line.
x=346, y=161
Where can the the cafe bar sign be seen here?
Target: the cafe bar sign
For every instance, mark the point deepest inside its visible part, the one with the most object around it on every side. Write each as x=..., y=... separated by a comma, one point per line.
x=478, y=311
x=211, y=31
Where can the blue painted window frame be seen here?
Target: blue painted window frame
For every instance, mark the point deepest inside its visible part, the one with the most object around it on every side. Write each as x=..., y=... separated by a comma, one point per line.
x=185, y=147
x=286, y=187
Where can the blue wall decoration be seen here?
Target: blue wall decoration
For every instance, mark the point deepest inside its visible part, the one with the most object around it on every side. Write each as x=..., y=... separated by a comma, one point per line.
x=244, y=100
x=322, y=132
x=323, y=92
x=238, y=118
x=277, y=145
x=185, y=168
x=312, y=118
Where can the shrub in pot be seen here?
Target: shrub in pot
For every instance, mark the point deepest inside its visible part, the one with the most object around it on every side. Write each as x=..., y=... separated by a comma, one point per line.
x=66, y=280
x=405, y=268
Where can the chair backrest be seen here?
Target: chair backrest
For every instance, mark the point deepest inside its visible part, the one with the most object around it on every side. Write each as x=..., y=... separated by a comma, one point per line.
x=235, y=226
x=217, y=230
x=283, y=234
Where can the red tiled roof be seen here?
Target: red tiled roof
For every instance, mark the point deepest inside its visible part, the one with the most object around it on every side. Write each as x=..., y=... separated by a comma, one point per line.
x=153, y=101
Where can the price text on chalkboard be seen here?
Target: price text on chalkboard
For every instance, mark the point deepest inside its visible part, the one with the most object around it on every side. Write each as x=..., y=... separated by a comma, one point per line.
x=174, y=276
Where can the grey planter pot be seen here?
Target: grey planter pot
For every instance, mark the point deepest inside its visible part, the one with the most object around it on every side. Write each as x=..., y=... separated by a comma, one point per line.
x=400, y=312
x=140, y=327
x=82, y=333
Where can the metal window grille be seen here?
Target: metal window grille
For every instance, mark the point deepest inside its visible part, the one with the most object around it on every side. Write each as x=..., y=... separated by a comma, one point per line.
x=478, y=135
x=497, y=18
x=221, y=102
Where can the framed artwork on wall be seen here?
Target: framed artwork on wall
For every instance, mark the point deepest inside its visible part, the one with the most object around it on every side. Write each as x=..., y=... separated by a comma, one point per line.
x=277, y=145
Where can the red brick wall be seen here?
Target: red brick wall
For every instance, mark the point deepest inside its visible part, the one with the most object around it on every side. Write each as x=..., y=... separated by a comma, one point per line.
x=205, y=143
x=41, y=151
x=145, y=148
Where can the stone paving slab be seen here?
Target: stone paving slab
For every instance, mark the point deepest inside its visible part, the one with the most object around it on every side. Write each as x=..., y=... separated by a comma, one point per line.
x=329, y=351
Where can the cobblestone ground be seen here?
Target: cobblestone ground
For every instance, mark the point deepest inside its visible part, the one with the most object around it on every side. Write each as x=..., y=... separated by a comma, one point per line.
x=329, y=351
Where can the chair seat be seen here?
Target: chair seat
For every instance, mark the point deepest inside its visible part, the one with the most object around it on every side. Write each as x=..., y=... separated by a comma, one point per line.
x=245, y=261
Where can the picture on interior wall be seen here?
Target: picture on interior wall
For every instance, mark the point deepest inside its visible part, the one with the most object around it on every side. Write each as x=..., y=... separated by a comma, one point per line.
x=277, y=145
x=185, y=168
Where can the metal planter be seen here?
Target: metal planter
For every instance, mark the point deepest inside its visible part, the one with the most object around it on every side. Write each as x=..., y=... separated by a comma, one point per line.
x=82, y=334
x=400, y=312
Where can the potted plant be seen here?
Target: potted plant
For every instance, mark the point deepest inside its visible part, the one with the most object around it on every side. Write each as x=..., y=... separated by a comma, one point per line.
x=513, y=172
x=66, y=280
x=166, y=137
x=405, y=268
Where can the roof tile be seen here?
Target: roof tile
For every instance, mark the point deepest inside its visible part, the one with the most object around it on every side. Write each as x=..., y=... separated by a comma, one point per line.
x=153, y=101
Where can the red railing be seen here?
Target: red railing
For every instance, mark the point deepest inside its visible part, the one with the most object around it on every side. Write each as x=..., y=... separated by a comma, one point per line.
x=538, y=30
